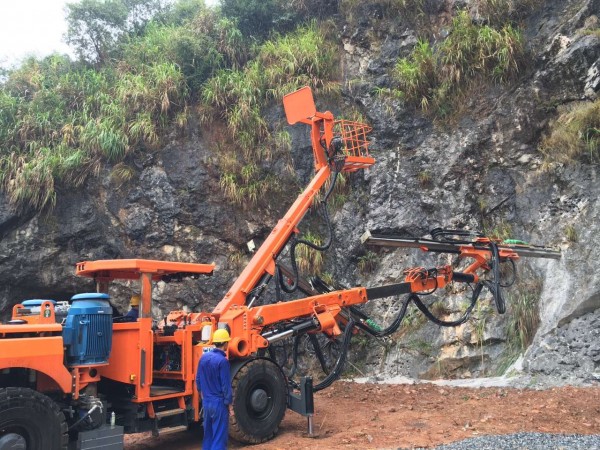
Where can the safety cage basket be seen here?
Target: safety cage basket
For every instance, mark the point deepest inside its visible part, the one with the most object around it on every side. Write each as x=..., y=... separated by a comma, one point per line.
x=355, y=144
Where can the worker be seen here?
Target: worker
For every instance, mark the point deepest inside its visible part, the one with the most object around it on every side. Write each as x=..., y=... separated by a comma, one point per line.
x=134, y=312
x=214, y=383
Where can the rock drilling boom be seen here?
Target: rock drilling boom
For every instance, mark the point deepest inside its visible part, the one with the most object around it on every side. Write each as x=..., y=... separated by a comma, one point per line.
x=519, y=248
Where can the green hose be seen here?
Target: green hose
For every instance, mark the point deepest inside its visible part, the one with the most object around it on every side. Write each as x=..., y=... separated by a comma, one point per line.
x=373, y=325
x=514, y=242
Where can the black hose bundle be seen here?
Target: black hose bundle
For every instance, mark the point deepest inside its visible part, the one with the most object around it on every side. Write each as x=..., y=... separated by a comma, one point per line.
x=393, y=327
x=493, y=285
x=280, y=283
x=341, y=361
x=452, y=323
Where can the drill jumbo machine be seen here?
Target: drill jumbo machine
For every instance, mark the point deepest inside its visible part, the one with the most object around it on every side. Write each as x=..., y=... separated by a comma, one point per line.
x=77, y=375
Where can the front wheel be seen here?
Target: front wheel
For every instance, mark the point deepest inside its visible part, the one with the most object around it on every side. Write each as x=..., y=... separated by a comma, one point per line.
x=259, y=402
x=31, y=419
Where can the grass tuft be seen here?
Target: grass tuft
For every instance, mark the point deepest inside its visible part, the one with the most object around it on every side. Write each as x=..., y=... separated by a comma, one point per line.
x=433, y=77
x=574, y=136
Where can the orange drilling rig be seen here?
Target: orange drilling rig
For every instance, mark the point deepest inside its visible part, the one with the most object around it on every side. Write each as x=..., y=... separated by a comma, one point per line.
x=72, y=375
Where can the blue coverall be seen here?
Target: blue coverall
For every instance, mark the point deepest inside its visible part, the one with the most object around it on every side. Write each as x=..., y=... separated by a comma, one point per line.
x=133, y=313
x=214, y=382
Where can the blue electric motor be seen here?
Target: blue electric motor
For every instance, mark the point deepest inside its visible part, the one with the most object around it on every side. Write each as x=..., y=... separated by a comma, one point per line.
x=87, y=334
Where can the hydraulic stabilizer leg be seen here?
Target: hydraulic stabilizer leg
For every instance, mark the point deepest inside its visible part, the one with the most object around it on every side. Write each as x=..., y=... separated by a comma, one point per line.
x=304, y=403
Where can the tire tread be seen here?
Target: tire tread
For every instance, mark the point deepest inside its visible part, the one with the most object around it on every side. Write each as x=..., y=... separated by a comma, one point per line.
x=235, y=430
x=16, y=395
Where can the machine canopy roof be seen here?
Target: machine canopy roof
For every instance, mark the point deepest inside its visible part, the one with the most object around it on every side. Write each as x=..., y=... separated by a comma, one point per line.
x=131, y=269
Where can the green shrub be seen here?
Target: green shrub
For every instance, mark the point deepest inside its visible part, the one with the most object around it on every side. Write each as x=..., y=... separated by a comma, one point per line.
x=500, y=229
x=258, y=18
x=59, y=120
x=238, y=97
x=523, y=322
x=417, y=75
x=410, y=11
x=571, y=233
x=435, y=76
x=424, y=177
x=193, y=51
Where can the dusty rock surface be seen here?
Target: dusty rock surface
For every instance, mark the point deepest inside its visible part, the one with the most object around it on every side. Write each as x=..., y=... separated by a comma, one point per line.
x=350, y=415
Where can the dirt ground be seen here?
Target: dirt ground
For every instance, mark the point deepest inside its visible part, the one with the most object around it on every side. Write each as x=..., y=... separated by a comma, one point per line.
x=351, y=415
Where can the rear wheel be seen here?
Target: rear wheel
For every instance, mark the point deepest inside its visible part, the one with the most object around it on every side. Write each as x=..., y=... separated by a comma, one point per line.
x=259, y=402
x=28, y=417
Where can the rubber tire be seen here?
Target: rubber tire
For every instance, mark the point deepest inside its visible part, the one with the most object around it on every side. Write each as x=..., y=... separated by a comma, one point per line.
x=34, y=416
x=247, y=425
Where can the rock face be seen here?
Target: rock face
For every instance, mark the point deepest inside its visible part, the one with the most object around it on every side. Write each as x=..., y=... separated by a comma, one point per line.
x=484, y=169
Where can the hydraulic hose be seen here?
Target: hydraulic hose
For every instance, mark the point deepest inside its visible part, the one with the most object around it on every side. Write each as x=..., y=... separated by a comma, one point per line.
x=393, y=327
x=451, y=323
x=315, y=343
x=356, y=318
x=295, y=242
x=494, y=284
x=362, y=323
x=84, y=417
x=341, y=361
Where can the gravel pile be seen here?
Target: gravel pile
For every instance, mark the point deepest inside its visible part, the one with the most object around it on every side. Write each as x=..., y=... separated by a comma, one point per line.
x=527, y=441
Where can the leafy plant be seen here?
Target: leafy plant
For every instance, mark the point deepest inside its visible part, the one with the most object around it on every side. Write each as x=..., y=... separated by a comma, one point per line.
x=122, y=173
x=413, y=320
x=60, y=120
x=524, y=319
x=421, y=346
x=95, y=26
x=328, y=278
x=501, y=230
x=237, y=260
x=255, y=18
x=424, y=177
x=523, y=322
x=418, y=75
x=367, y=263
x=410, y=10
x=194, y=49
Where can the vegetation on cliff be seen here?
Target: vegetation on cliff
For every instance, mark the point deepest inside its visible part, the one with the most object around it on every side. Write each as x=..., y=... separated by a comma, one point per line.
x=142, y=67
x=145, y=66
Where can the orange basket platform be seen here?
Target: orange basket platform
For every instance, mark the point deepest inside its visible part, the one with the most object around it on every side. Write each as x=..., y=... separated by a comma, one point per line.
x=356, y=145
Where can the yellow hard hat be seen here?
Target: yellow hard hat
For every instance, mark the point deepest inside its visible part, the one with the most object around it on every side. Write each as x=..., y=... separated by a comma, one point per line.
x=135, y=300
x=221, y=335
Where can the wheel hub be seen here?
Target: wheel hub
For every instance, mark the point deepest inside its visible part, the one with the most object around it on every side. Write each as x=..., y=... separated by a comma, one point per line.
x=13, y=441
x=259, y=400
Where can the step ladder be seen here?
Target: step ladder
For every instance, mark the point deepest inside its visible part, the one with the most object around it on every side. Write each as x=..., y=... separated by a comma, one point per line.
x=168, y=420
